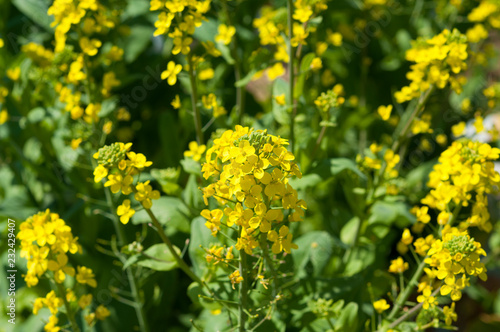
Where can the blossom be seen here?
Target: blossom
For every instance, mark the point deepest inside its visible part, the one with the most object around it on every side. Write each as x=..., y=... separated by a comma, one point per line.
x=384, y=112
x=225, y=34
x=125, y=211
x=171, y=73
x=195, y=151
x=381, y=305
x=398, y=265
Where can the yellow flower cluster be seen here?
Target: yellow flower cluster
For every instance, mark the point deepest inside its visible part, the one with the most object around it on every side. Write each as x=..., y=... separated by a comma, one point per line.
x=90, y=14
x=119, y=165
x=452, y=259
x=273, y=29
x=331, y=99
x=251, y=169
x=465, y=168
x=88, y=18
x=187, y=16
x=438, y=61
x=39, y=54
x=486, y=11
x=46, y=242
x=373, y=161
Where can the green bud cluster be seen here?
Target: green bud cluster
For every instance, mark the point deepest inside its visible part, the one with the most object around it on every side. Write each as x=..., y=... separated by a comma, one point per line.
x=460, y=244
x=111, y=155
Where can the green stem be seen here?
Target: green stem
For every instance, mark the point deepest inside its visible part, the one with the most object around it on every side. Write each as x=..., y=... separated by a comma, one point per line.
x=407, y=292
x=291, y=75
x=194, y=100
x=410, y=313
x=134, y=284
x=69, y=312
x=180, y=262
x=243, y=291
x=416, y=111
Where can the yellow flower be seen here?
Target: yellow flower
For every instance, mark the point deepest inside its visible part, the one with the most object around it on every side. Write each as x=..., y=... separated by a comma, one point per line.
x=275, y=71
x=282, y=240
x=458, y=129
x=385, y=112
x=145, y=194
x=335, y=38
x=90, y=46
x=176, y=102
x=280, y=100
x=85, y=276
x=225, y=34
x=109, y=81
x=381, y=305
x=316, y=64
x=100, y=173
x=75, y=143
x=213, y=219
x=195, y=151
x=85, y=300
x=407, y=238
x=4, y=116
x=101, y=312
x=398, y=265
x=210, y=48
x=14, y=73
x=206, y=74
x=235, y=278
x=107, y=127
x=171, y=73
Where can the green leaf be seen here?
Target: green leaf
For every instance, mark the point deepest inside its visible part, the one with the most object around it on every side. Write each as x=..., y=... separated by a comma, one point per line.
x=162, y=259
x=137, y=41
x=201, y=237
x=191, y=166
x=348, y=319
x=170, y=211
x=36, y=10
x=316, y=247
x=336, y=166
x=305, y=64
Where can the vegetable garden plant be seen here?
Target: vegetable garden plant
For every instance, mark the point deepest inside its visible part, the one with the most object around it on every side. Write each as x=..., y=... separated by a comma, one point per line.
x=237, y=165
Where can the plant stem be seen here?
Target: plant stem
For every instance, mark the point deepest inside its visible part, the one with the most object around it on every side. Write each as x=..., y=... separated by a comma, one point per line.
x=407, y=292
x=410, y=312
x=291, y=74
x=69, y=312
x=243, y=291
x=194, y=100
x=134, y=285
x=420, y=106
x=180, y=262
